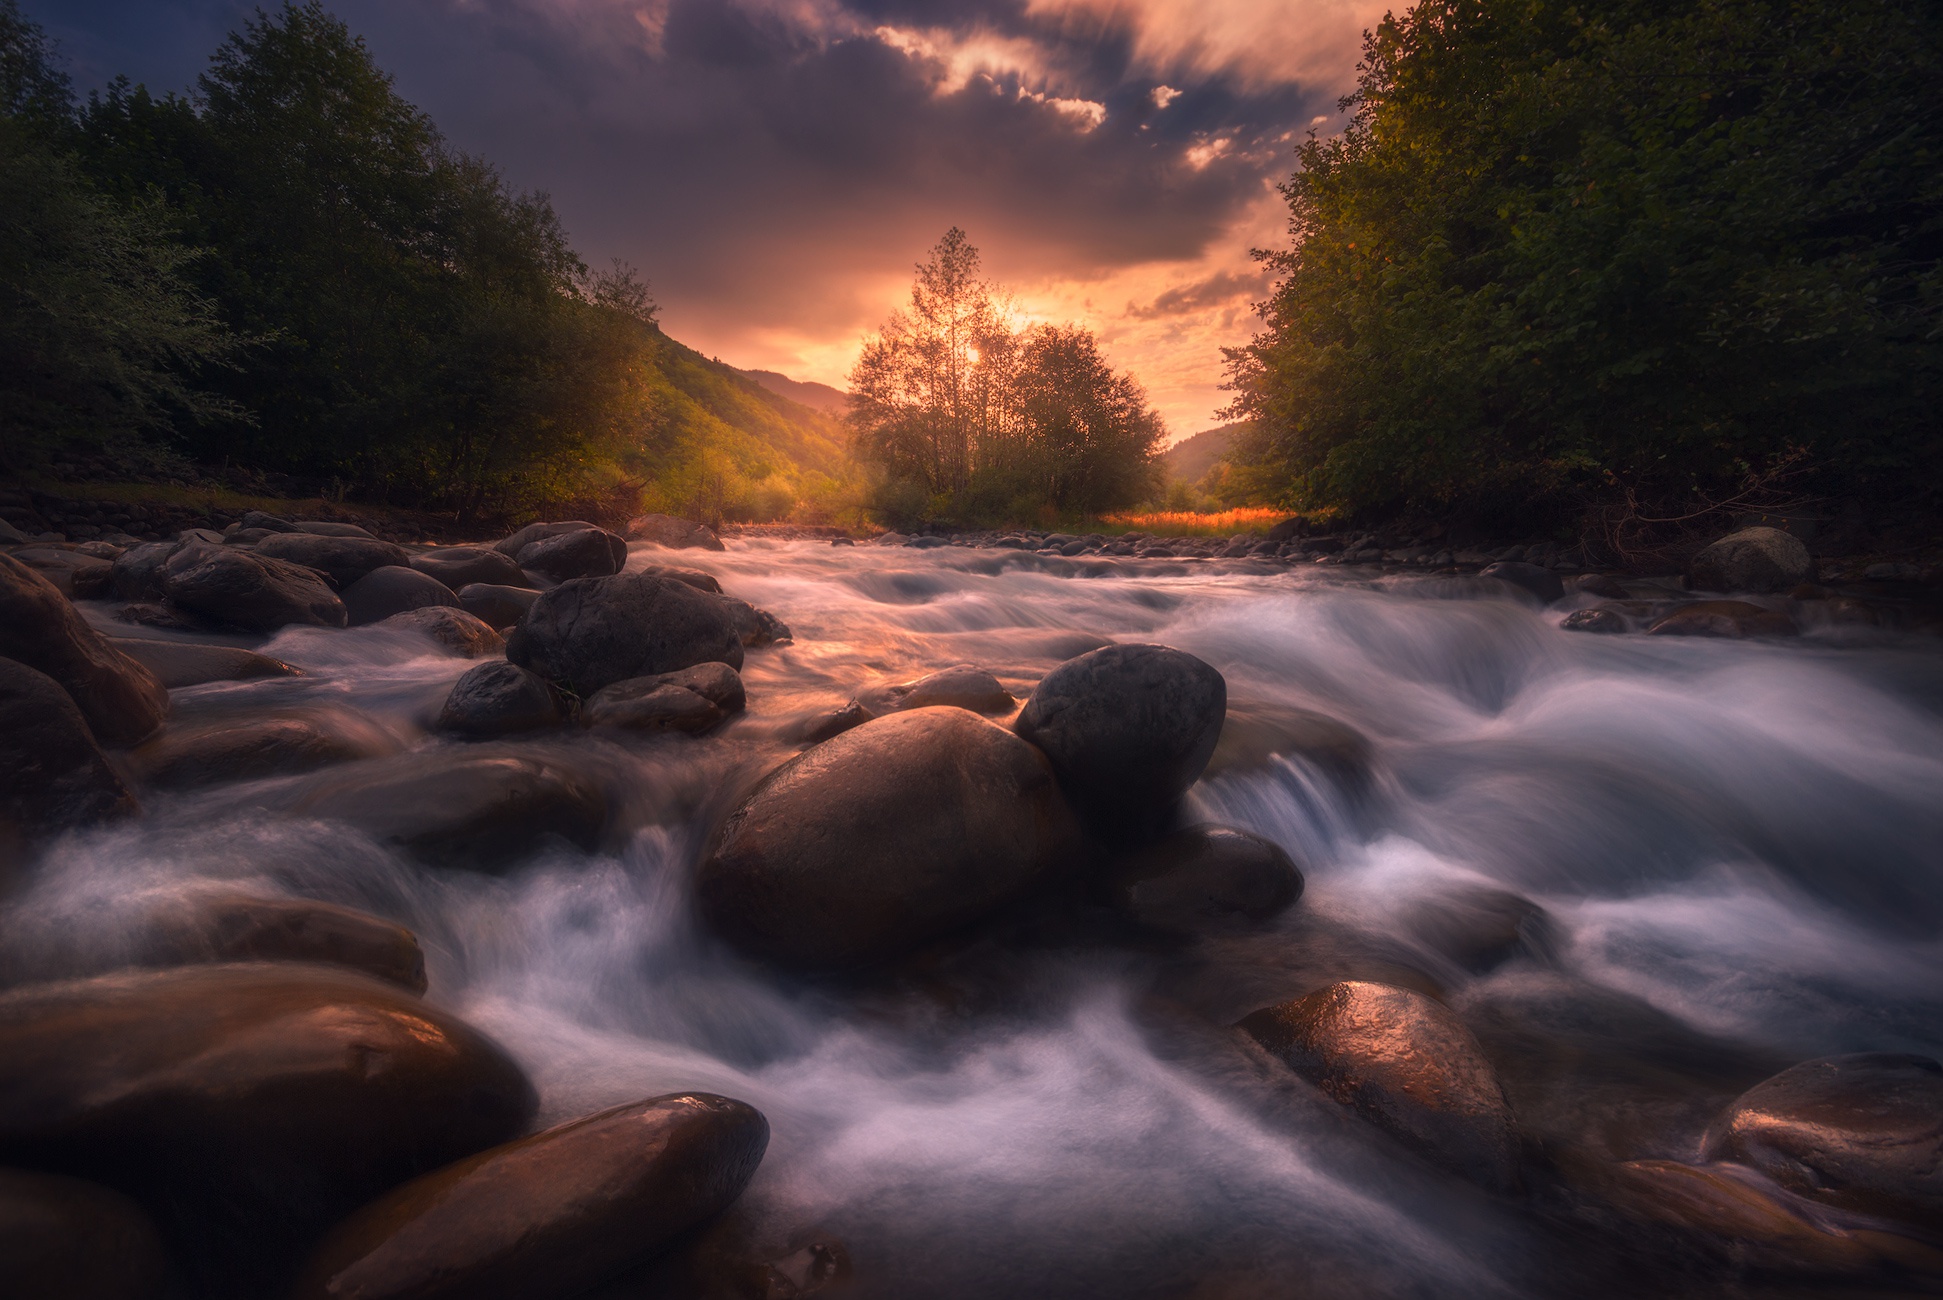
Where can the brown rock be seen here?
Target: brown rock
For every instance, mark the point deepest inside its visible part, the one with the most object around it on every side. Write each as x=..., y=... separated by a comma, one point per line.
x=345, y=559
x=225, y=926
x=185, y=663
x=592, y=632
x=121, y=700
x=1405, y=1063
x=241, y=589
x=694, y=700
x=52, y=774
x=498, y=699
x=74, y=574
x=465, y=635
x=1723, y=618
x=257, y=747
x=525, y=537
x=1204, y=875
x=498, y=607
x=65, y=1239
x=828, y=726
x=666, y=530
x=459, y=567
x=962, y=686
x=550, y=1215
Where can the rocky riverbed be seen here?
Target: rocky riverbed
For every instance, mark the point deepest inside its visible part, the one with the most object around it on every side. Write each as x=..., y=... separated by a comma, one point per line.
x=588, y=914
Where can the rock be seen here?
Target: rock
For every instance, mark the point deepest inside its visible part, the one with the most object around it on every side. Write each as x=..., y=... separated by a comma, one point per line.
x=72, y=574
x=830, y=725
x=468, y=808
x=252, y=748
x=755, y=627
x=1404, y=1062
x=226, y=926
x=510, y=547
x=926, y=543
x=690, y=699
x=1479, y=927
x=1288, y=530
x=497, y=699
x=1540, y=582
x=962, y=686
x=693, y=577
x=549, y=1215
x=465, y=635
x=65, y=1239
x=329, y=528
x=592, y=632
x=186, y=663
x=461, y=566
x=497, y=606
x=253, y=519
x=275, y=1093
x=1128, y=728
x=137, y=572
x=121, y=700
x=666, y=530
x=584, y=553
x=393, y=589
x=1251, y=738
x=163, y=616
x=893, y=834
x=345, y=559
x=246, y=536
x=1862, y=1132
x=11, y=536
x=1597, y=619
x=1723, y=618
x=1760, y=560
x=249, y=591
x=1600, y=585
x=52, y=773
x=1206, y=874
x=204, y=536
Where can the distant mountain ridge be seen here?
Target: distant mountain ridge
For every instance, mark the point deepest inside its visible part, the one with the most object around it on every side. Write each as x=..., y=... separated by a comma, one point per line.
x=806, y=392
x=1193, y=456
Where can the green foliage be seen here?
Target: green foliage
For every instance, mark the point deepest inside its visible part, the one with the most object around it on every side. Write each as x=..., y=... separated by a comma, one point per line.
x=1638, y=250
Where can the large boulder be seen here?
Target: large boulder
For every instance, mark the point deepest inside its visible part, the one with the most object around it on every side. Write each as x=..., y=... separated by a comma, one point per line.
x=1863, y=1132
x=252, y=748
x=495, y=605
x=888, y=836
x=1204, y=875
x=393, y=589
x=498, y=699
x=137, y=572
x=473, y=808
x=329, y=528
x=1404, y=1062
x=224, y=925
x=549, y=1215
x=74, y=574
x=187, y=663
x=666, y=530
x=756, y=627
x=693, y=577
x=246, y=590
x=65, y=1239
x=591, y=632
x=525, y=537
x=692, y=699
x=1733, y=619
x=1533, y=579
x=1128, y=728
x=121, y=700
x=465, y=635
x=583, y=553
x=461, y=566
x=278, y=1093
x=52, y=773
x=345, y=559
x=1764, y=560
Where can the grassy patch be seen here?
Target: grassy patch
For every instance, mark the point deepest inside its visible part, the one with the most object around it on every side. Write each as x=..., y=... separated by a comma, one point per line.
x=1188, y=523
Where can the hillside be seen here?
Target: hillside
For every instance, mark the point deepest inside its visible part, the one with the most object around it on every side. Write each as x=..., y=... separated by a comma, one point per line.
x=1188, y=460
x=820, y=397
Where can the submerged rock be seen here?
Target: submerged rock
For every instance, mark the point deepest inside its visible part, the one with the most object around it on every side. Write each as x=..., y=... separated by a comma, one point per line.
x=583, y=553
x=549, y=1215
x=65, y=1239
x=185, y=663
x=252, y=748
x=1723, y=618
x=690, y=699
x=244, y=590
x=593, y=632
x=1864, y=1132
x=1128, y=728
x=666, y=530
x=1479, y=927
x=1762, y=560
x=885, y=838
x=465, y=635
x=52, y=774
x=498, y=607
x=499, y=698
x=227, y=926
x=1532, y=578
x=345, y=559
x=459, y=567
x=391, y=590
x=1597, y=619
x=962, y=686
x=121, y=699
x=1205, y=875
x=1404, y=1062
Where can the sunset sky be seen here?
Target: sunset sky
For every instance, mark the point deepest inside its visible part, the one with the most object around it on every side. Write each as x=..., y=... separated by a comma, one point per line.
x=775, y=167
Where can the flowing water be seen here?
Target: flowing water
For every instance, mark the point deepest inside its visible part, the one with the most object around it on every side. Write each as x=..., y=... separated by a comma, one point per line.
x=1737, y=848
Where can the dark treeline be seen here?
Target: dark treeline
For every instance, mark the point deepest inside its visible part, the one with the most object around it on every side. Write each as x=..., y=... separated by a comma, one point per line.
x=292, y=269
x=1614, y=260
x=966, y=417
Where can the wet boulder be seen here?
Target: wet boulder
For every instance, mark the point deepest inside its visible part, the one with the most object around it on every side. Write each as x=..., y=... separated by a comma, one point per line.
x=497, y=606
x=472, y=808
x=390, y=590
x=592, y=632
x=459, y=567
x=255, y=747
x=1733, y=619
x=186, y=663
x=961, y=686
x=345, y=559
x=692, y=699
x=453, y=629
x=498, y=699
x=52, y=773
x=330, y=528
x=828, y=726
x=1128, y=728
x=121, y=700
x=1206, y=875
x=72, y=573
x=1404, y=1062
x=666, y=530
x=584, y=553
x=1604, y=586
x=137, y=572
x=1761, y=560
x=220, y=926
x=1478, y=927
x=693, y=577
x=553, y=1214
x=1251, y=737
x=1864, y=1132
x=65, y=1239
x=891, y=835
x=755, y=627
x=266, y=522
x=246, y=590
x=1597, y=619
x=1533, y=579
x=276, y=1095
x=510, y=547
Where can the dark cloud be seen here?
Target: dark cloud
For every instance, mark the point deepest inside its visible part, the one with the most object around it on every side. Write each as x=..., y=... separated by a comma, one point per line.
x=1216, y=290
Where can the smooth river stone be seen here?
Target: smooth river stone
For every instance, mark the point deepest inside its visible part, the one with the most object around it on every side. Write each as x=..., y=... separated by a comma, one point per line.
x=346, y=559
x=592, y=632
x=461, y=566
x=1404, y=1062
x=253, y=748
x=121, y=699
x=231, y=586
x=497, y=699
x=52, y=774
x=185, y=663
x=1724, y=618
x=1206, y=874
x=65, y=1239
x=961, y=686
x=548, y=1216
x=226, y=926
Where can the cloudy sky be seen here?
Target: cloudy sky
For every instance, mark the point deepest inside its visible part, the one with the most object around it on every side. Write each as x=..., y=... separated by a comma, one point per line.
x=776, y=167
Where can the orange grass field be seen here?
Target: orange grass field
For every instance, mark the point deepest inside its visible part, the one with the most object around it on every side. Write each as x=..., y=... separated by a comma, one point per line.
x=1187, y=523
